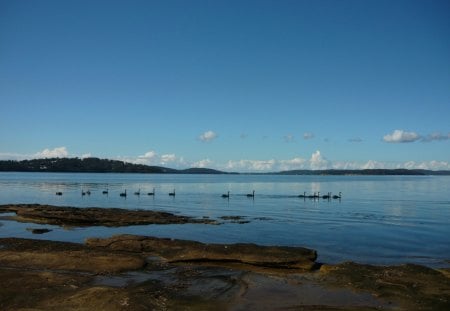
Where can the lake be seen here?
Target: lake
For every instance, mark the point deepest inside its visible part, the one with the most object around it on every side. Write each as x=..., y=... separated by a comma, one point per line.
x=378, y=220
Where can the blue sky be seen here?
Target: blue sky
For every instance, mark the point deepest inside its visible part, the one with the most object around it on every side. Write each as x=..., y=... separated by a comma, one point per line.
x=233, y=85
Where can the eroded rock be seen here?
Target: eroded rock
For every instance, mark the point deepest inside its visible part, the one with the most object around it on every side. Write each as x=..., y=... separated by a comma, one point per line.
x=415, y=286
x=50, y=275
x=24, y=253
x=110, y=217
x=189, y=251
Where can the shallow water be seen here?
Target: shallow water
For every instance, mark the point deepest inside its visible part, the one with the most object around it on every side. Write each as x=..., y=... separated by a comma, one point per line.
x=380, y=219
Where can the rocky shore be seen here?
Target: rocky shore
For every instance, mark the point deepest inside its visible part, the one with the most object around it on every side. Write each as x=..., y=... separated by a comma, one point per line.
x=83, y=217
x=128, y=272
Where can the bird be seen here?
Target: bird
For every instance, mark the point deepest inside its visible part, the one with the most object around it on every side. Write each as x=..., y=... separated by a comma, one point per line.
x=83, y=193
x=337, y=196
x=172, y=194
x=138, y=192
x=151, y=193
x=327, y=196
x=251, y=195
x=302, y=195
x=88, y=192
x=226, y=195
x=105, y=191
x=123, y=194
x=312, y=196
x=59, y=193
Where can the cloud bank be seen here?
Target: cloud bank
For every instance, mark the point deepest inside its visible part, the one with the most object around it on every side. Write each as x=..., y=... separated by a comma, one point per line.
x=316, y=161
x=59, y=152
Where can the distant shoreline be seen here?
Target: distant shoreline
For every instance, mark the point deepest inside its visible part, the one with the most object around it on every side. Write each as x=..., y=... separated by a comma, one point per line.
x=96, y=165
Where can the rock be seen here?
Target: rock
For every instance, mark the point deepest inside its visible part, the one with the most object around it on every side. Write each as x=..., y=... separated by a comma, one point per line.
x=20, y=253
x=190, y=251
x=50, y=275
x=415, y=286
x=110, y=217
x=39, y=230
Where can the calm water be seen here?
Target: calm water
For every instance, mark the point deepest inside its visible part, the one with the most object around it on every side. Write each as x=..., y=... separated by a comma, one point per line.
x=380, y=219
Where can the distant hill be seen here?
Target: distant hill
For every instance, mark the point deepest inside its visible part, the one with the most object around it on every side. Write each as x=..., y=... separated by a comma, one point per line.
x=93, y=165
x=96, y=165
x=400, y=171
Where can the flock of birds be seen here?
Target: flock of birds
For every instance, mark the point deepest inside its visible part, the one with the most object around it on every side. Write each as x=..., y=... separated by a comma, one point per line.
x=314, y=196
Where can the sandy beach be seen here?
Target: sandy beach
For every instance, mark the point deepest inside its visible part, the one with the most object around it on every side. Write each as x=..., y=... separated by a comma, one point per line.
x=128, y=272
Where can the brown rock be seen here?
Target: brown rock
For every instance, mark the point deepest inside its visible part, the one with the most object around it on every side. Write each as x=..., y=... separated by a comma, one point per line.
x=23, y=253
x=110, y=217
x=190, y=251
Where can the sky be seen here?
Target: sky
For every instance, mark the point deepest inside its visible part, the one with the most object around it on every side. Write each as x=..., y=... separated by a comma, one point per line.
x=248, y=86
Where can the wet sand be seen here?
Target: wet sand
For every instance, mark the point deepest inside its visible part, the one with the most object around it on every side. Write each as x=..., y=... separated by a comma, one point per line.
x=128, y=272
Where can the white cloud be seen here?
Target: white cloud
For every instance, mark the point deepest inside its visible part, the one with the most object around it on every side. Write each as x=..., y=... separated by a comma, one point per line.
x=167, y=158
x=426, y=165
x=308, y=135
x=400, y=136
x=345, y=165
x=371, y=164
x=148, y=158
x=292, y=164
x=250, y=165
x=207, y=136
x=86, y=155
x=202, y=163
x=153, y=158
x=59, y=152
x=317, y=162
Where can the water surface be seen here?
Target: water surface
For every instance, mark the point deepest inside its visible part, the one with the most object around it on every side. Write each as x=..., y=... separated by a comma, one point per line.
x=380, y=219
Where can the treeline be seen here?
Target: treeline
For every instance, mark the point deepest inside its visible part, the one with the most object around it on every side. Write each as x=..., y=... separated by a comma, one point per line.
x=94, y=165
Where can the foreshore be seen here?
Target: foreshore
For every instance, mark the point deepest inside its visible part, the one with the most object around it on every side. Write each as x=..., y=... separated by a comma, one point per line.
x=129, y=272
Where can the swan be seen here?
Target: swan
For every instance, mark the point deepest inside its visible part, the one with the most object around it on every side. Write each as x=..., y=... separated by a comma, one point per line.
x=251, y=195
x=226, y=195
x=124, y=194
x=314, y=196
x=337, y=196
x=105, y=191
x=151, y=193
x=59, y=193
x=83, y=192
x=138, y=192
x=88, y=192
x=172, y=194
x=326, y=196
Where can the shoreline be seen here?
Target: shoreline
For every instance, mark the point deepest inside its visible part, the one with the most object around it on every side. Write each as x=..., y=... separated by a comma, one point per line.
x=141, y=272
